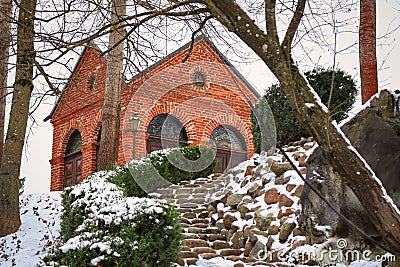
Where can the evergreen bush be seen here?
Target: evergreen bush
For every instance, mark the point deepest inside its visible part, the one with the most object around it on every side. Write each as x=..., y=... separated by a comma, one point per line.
x=288, y=128
x=112, y=230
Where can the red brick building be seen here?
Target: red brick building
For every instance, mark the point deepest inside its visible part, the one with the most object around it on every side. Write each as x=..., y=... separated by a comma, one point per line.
x=206, y=98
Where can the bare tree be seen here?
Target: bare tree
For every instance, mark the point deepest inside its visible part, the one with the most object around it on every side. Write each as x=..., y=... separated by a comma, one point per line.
x=10, y=167
x=5, y=37
x=336, y=147
x=367, y=54
x=110, y=133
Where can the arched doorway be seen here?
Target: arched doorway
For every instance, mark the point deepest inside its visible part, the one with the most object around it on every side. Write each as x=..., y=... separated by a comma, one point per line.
x=231, y=147
x=169, y=129
x=73, y=159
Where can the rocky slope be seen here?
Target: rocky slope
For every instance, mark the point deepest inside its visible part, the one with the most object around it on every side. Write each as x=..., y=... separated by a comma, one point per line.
x=247, y=215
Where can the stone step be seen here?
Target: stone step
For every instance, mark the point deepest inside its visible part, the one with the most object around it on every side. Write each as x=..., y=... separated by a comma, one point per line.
x=183, y=190
x=192, y=185
x=200, y=209
x=214, y=237
x=192, y=243
x=183, y=210
x=191, y=261
x=199, y=220
x=237, y=258
x=190, y=236
x=230, y=252
x=189, y=205
x=201, y=225
x=182, y=196
x=220, y=245
x=189, y=215
x=188, y=254
x=212, y=230
x=204, y=250
x=191, y=200
x=184, y=220
x=203, y=215
x=185, y=248
x=165, y=191
x=196, y=230
x=208, y=256
x=202, y=189
x=191, y=195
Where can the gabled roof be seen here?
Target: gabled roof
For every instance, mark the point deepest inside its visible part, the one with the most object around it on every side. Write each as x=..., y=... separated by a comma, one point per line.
x=94, y=46
x=160, y=62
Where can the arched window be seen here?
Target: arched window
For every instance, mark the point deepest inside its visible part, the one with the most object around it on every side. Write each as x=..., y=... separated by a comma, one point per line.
x=231, y=147
x=226, y=137
x=167, y=125
x=169, y=129
x=74, y=143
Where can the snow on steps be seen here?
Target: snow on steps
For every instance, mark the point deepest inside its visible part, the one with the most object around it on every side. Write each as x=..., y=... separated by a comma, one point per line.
x=227, y=215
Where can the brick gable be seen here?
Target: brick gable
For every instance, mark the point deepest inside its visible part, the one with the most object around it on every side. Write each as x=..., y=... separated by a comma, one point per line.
x=164, y=87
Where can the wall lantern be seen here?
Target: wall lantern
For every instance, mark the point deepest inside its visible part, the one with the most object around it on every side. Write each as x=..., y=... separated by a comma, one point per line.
x=135, y=123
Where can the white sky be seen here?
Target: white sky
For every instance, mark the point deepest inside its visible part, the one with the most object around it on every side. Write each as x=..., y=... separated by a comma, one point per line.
x=36, y=166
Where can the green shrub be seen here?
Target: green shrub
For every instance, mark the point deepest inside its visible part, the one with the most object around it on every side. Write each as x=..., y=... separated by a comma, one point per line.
x=160, y=168
x=113, y=230
x=264, y=139
x=124, y=180
x=184, y=163
x=288, y=128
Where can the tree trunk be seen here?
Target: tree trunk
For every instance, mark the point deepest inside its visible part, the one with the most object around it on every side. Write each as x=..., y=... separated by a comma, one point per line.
x=10, y=167
x=367, y=50
x=335, y=146
x=5, y=37
x=109, y=143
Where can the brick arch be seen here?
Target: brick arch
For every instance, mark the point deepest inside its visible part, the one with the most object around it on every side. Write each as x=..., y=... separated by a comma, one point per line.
x=235, y=123
x=69, y=129
x=88, y=165
x=167, y=108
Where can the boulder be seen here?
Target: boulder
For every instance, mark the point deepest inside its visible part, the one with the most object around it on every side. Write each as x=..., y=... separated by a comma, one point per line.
x=263, y=221
x=286, y=230
x=375, y=133
x=271, y=196
x=285, y=201
x=228, y=220
x=234, y=199
x=280, y=168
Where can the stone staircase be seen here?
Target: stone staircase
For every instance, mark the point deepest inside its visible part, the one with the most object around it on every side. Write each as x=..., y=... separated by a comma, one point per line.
x=202, y=236
x=253, y=207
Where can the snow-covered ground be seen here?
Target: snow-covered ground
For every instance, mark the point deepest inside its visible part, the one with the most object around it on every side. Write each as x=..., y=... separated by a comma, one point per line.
x=40, y=215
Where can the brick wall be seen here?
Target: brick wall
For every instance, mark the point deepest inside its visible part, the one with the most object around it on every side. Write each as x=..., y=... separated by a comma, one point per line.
x=164, y=88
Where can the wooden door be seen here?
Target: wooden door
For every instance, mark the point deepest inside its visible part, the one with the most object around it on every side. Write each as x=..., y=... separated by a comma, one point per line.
x=228, y=159
x=73, y=169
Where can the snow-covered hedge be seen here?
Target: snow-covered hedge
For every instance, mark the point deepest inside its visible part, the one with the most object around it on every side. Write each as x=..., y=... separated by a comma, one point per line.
x=100, y=225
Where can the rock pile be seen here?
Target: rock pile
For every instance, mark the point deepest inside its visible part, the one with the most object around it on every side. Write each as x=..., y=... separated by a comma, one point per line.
x=246, y=215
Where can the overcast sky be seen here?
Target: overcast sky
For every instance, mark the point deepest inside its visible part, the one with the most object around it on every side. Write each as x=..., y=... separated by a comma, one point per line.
x=36, y=166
